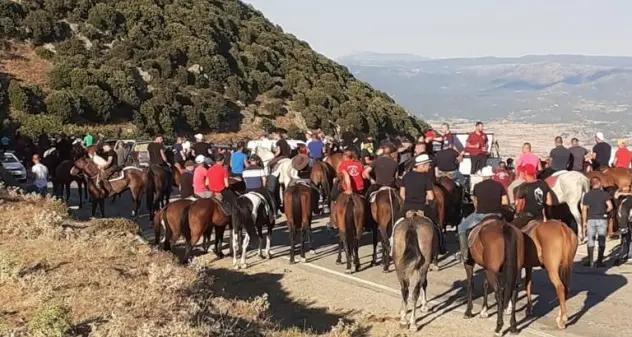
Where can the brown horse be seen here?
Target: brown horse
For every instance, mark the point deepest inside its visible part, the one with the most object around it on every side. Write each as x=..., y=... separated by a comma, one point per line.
x=453, y=196
x=168, y=223
x=199, y=220
x=63, y=179
x=348, y=215
x=322, y=175
x=552, y=245
x=498, y=247
x=384, y=210
x=130, y=178
x=157, y=189
x=334, y=159
x=298, y=212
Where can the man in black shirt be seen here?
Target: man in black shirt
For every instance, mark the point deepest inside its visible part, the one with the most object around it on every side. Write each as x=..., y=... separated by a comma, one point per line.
x=158, y=157
x=532, y=196
x=579, y=155
x=447, y=164
x=109, y=167
x=416, y=191
x=489, y=197
x=283, y=149
x=385, y=169
x=596, y=205
x=186, y=180
x=200, y=147
x=348, y=138
x=601, y=153
x=561, y=158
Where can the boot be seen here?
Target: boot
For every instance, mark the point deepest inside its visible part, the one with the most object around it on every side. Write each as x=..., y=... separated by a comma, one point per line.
x=600, y=252
x=589, y=259
x=464, y=247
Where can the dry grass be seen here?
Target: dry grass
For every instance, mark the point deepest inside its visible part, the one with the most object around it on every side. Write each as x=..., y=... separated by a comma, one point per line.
x=20, y=61
x=60, y=277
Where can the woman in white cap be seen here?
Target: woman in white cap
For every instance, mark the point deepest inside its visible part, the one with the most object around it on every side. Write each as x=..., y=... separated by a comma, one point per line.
x=489, y=196
x=199, y=178
x=601, y=152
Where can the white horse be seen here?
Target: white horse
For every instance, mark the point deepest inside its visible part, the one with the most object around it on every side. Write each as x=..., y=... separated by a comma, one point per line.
x=569, y=188
x=284, y=171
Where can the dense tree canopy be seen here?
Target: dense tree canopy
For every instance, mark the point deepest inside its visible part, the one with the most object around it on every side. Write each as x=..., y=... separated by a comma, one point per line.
x=183, y=65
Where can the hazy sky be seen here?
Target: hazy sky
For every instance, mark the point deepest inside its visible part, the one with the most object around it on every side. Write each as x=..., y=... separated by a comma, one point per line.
x=459, y=28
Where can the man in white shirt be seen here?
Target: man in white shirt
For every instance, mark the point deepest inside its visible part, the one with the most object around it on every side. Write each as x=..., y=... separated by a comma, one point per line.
x=40, y=177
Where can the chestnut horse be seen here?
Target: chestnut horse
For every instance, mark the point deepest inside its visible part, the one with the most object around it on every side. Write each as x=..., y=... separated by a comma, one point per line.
x=157, y=191
x=322, y=175
x=168, y=221
x=498, y=247
x=334, y=159
x=348, y=215
x=385, y=207
x=130, y=178
x=552, y=245
x=298, y=212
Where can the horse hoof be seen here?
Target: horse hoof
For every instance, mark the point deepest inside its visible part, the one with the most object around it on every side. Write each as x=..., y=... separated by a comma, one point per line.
x=484, y=314
x=497, y=333
x=347, y=271
x=385, y=271
x=513, y=331
x=313, y=252
x=292, y=262
x=243, y=266
x=413, y=328
x=303, y=260
x=467, y=315
x=434, y=267
x=338, y=262
x=424, y=309
x=403, y=325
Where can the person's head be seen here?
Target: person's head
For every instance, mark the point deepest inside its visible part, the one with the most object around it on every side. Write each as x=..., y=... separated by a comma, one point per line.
x=595, y=182
x=36, y=159
x=219, y=158
x=254, y=160
x=179, y=139
x=420, y=148
x=386, y=149
x=574, y=141
x=502, y=165
x=348, y=155
x=422, y=163
x=198, y=137
x=240, y=146
x=479, y=127
x=599, y=137
x=530, y=171
x=189, y=165
x=526, y=148
x=158, y=139
x=486, y=172
x=107, y=147
x=200, y=159
x=558, y=141
x=445, y=128
x=621, y=143
x=264, y=135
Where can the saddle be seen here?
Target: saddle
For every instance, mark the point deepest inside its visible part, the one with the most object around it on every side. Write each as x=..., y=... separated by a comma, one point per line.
x=220, y=203
x=373, y=194
x=477, y=230
x=274, y=162
x=304, y=182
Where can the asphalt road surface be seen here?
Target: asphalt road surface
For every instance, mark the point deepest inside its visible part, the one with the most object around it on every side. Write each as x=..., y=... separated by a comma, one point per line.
x=600, y=302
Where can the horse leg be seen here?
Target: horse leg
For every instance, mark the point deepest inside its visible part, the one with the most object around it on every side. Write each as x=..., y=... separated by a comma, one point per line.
x=486, y=281
x=260, y=235
x=356, y=254
x=339, y=259
x=292, y=233
x=386, y=249
x=412, y=323
x=424, y=286
x=80, y=194
x=67, y=189
x=512, y=321
x=94, y=208
x=269, y=241
x=560, y=290
x=469, y=270
x=219, y=240
x=244, y=248
x=403, y=283
x=527, y=285
x=234, y=242
x=348, y=252
x=102, y=207
x=135, y=193
x=302, y=239
x=578, y=220
x=498, y=289
x=374, y=258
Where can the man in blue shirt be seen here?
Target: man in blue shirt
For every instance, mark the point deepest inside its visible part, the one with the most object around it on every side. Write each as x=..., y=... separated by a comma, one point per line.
x=315, y=148
x=238, y=160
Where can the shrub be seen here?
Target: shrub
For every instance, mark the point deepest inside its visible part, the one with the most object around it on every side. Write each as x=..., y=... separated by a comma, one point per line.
x=63, y=105
x=52, y=319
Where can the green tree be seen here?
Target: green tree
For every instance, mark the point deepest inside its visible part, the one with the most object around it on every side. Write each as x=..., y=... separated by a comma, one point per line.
x=18, y=97
x=41, y=24
x=97, y=103
x=63, y=104
x=104, y=17
x=59, y=76
x=81, y=78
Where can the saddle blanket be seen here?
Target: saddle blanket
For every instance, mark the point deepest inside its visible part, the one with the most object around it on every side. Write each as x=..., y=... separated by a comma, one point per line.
x=374, y=193
x=121, y=174
x=553, y=178
x=476, y=230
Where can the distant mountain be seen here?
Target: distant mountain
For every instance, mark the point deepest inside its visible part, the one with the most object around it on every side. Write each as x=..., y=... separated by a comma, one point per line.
x=362, y=57
x=535, y=88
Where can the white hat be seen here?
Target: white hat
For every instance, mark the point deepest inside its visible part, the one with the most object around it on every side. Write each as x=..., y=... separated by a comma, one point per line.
x=198, y=136
x=486, y=171
x=422, y=159
x=600, y=136
x=200, y=159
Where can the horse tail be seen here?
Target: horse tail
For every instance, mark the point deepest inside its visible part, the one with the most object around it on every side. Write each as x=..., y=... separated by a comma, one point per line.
x=241, y=218
x=184, y=223
x=149, y=190
x=510, y=264
x=350, y=231
x=296, y=207
x=411, y=257
x=324, y=184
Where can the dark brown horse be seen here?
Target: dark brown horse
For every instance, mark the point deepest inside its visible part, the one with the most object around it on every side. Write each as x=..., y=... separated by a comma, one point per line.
x=322, y=175
x=168, y=223
x=498, y=247
x=348, y=215
x=199, y=220
x=63, y=179
x=298, y=212
x=552, y=245
x=157, y=189
x=130, y=178
x=384, y=210
x=453, y=199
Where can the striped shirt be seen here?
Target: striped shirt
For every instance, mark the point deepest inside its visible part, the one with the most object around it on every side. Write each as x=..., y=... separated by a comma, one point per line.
x=253, y=177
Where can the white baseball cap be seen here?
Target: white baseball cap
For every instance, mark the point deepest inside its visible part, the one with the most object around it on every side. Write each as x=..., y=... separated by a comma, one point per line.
x=200, y=159
x=486, y=171
x=198, y=136
x=600, y=136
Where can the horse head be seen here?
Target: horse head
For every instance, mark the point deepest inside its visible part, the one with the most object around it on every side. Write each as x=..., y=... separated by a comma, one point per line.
x=86, y=166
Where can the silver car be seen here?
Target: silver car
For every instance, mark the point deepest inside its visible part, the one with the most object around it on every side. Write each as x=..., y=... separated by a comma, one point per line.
x=11, y=163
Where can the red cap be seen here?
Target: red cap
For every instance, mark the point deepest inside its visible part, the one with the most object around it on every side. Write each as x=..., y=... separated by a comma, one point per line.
x=430, y=134
x=529, y=169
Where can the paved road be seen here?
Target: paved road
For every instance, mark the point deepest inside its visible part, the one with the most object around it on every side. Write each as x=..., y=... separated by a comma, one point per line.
x=600, y=303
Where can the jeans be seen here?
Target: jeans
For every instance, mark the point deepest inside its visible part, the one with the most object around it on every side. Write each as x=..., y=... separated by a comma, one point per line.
x=472, y=221
x=598, y=227
x=34, y=189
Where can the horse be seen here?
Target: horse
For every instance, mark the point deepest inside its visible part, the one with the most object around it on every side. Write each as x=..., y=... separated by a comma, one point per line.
x=414, y=246
x=334, y=159
x=157, y=193
x=63, y=179
x=168, y=221
x=498, y=247
x=298, y=212
x=322, y=175
x=453, y=198
x=252, y=211
x=131, y=178
x=348, y=215
x=620, y=177
x=385, y=205
x=201, y=217
x=550, y=244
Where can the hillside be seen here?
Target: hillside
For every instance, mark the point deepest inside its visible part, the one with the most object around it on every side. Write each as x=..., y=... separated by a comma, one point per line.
x=531, y=89
x=177, y=66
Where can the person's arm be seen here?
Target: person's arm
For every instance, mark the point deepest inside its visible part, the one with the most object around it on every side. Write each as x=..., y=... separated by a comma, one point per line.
x=609, y=206
x=402, y=193
x=584, y=216
x=520, y=201
x=107, y=163
x=225, y=173
x=436, y=170
x=430, y=195
x=549, y=198
x=366, y=174
x=347, y=182
x=504, y=200
x=539, y=165
x=164, y=156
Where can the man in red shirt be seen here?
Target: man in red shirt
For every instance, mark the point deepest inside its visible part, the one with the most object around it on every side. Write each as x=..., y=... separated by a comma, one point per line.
x=623, y=156
x=217, y=176
x=476, y=146
x=351, y=170
x=501, y=175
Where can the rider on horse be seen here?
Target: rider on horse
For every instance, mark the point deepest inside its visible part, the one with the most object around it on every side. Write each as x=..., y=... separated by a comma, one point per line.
x=533, y=196
x=416, y=191
x=158, y=157
x=385, y=169
x=217, y=176
x=447, y=164
x=488, y=197
x=351, y=171
x=109, y=167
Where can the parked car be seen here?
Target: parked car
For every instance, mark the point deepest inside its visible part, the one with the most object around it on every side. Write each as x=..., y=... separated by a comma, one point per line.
x=11, y=163
x=138, y=155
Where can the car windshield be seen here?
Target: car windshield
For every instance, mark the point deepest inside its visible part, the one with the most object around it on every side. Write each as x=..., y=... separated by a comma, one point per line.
x=8, y=158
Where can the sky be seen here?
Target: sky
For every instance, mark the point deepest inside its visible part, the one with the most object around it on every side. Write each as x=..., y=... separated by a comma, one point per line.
x=456, y=28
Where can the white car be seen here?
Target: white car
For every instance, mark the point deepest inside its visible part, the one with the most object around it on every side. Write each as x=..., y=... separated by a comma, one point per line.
x=11, y=163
